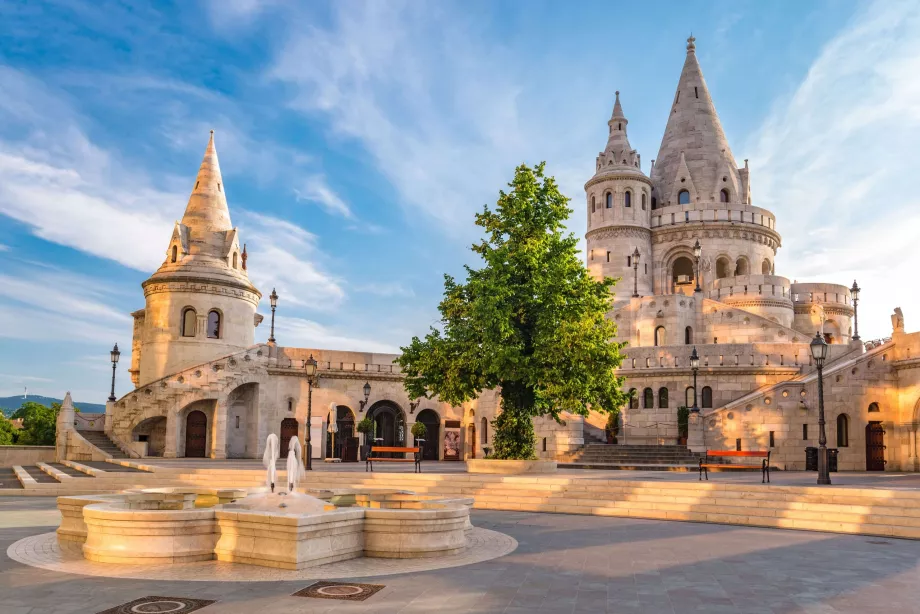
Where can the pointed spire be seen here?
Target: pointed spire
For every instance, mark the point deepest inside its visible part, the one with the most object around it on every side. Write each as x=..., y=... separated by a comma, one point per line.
x=618, y=150
x=207, y=209
x=617, y=108
x=694, y=129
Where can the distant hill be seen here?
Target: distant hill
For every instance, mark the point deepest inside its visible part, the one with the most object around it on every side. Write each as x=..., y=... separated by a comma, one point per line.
x=8, y=405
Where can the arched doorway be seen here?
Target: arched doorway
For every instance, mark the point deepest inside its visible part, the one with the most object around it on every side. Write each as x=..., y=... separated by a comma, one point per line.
x=196, y=434
x=346, y=443
x=472, y=433
x=432, y=423
x=389, y=424
x=682, y=273
x=152, y=431
x=289, y=428
x=875, y=447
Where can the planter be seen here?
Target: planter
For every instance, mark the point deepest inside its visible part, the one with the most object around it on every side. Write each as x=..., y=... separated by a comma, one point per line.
x=510, y=467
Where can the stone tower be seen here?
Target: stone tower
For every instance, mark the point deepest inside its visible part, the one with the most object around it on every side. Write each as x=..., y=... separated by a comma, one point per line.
x=200, y=304
x=618, y=201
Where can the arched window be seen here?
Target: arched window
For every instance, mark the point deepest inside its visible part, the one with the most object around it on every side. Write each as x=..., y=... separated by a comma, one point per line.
x=290, y=404
x=683, y=197
x=723, y=196
x=627, y=199
x=662, y=398
x=484, y=437
x=659, y=336
x=609, y=203
x=234, y=260
x=707, y=397
x=643, y=201
x=175, y=253
x=633, y=399
x=873, y=407
x=688, y=335
x=688, y=397
x=214, y=324
x=189, y=322
x=648, y=398
x=593, y=204
x=723, y=267
x=742, y=267
x=766, y=268
x=843, y=431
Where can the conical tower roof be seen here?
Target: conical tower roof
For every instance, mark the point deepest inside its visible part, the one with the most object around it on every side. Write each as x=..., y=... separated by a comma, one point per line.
x=207, y=210
x=618, y=155
x=693, y=130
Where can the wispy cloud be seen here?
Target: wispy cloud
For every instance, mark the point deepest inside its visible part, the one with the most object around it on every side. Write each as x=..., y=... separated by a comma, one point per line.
x=387, y=289
x=836, y=161
x=315, y=189
x=299, y=332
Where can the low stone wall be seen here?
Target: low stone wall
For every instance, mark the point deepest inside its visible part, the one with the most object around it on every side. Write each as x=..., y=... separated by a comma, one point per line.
x=509, y=467
x=25, y=455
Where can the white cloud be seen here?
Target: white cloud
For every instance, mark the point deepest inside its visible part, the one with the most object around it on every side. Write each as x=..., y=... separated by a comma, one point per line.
x=298, y=332
x=315, y=189
x=387, y=289
x=836, y=162
x=283, y=255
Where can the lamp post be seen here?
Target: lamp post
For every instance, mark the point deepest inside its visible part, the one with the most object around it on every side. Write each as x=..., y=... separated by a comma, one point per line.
x=819, y=353
x=854, y=292
x=114, y=355
x=367, y=394
x=697, y=252
x=273, y=298
x=309, y=367
x=694, y=366
x=636, y=273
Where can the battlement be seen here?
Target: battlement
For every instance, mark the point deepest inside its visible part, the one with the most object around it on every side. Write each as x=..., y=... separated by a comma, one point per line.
x=672, y=215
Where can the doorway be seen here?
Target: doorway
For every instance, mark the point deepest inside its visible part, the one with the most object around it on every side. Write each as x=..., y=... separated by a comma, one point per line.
x=289, y=428
x=472, y=433
x=196, y=434
x=432, y=423
x=389, y=427
x=346, y=443
x=875, y=447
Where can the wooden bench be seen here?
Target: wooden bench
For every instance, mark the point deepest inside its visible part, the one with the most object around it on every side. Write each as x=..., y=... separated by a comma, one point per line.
x=372, y=458
x=764, y=466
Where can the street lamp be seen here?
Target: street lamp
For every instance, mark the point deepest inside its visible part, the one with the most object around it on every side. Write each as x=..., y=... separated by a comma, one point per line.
x=854, y=292
x=367, y=394
x=636, y=273
x=694, y=366
x=273, y=298
x=697, y=251
x=309, y=368
x=819, y=353
x=114, y=355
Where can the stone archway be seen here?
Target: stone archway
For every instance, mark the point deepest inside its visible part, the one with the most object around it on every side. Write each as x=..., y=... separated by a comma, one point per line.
x=389, y=423
x=152, y=431
x=289, y=430
x=432, y=422
x=243, y=421
x=346, y=441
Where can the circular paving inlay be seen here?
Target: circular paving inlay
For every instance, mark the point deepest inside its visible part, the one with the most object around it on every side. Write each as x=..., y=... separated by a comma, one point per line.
x=45, y=552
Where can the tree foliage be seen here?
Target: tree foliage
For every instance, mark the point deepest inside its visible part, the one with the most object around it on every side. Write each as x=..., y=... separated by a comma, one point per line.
x=39, y=423
x=7, y=432
x=531, y=322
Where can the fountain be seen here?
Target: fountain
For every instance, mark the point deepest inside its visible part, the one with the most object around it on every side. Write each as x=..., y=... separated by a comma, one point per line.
x=271, y=527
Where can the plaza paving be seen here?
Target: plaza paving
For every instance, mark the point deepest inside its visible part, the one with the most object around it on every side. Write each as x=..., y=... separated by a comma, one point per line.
x=563, y=563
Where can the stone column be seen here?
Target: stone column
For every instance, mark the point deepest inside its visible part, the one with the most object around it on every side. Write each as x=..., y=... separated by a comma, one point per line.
x=695, y=439
x=64, y=426
x=170, y=450
x=219, y=429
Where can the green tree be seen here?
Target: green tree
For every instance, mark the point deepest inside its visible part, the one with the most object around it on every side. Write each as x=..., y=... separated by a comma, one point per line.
x=7, y=432
x=38, y=423
x=531, y=322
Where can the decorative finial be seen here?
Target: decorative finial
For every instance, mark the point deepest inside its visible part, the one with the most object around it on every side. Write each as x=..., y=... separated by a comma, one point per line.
x=690, y=43
x=617, y=93
x=212, y=132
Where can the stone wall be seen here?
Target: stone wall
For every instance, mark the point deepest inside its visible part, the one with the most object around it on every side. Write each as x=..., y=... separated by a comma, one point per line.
x=25, y=455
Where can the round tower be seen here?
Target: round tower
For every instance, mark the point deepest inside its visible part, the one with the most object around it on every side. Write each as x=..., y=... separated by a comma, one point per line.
x=619, y=207
x=200, y=304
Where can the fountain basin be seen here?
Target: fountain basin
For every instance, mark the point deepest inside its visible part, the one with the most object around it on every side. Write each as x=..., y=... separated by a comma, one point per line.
x=288, y=531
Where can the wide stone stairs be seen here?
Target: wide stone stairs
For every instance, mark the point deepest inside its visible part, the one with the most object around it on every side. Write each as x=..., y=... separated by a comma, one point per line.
x=102, y=441
x=636, y=457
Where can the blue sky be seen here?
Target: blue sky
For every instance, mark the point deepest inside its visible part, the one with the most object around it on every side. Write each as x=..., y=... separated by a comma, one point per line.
x=357, y=139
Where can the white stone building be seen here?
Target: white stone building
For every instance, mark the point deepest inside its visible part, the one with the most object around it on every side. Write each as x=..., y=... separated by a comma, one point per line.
x=203, y=388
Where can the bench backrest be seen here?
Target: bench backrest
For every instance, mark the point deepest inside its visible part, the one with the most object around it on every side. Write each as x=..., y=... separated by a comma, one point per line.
x=392, y=449
x=755, y=453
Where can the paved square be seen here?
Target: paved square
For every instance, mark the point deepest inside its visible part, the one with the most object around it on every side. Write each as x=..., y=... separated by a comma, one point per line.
x=562, y=564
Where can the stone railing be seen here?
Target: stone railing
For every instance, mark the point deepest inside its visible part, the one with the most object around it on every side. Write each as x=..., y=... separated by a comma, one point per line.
x=712, y=213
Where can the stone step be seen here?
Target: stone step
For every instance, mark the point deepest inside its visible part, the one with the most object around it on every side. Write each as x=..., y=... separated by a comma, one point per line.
x=608, y=466
x=100, y=440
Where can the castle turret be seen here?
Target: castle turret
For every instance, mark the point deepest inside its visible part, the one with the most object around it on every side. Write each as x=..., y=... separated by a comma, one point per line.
x=618, y=200
x=200, y=304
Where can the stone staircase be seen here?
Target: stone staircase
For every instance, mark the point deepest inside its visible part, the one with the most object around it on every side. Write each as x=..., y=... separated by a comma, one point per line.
x=102, y=441
x=638, y=457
